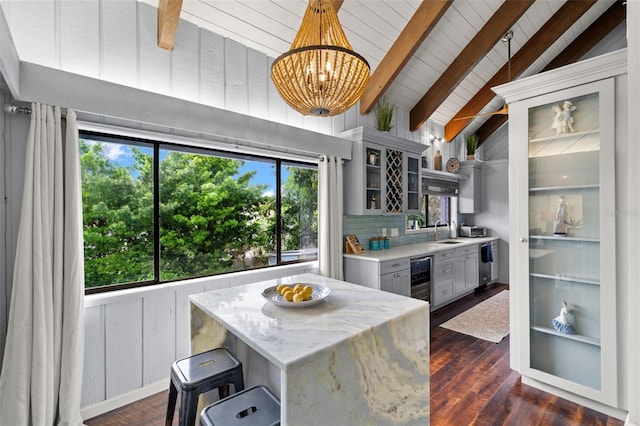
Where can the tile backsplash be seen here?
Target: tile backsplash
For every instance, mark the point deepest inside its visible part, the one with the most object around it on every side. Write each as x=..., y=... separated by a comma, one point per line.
x=367, y=227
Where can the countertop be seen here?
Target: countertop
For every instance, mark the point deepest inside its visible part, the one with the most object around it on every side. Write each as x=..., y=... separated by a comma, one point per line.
x=419, y=249
x=285, y=335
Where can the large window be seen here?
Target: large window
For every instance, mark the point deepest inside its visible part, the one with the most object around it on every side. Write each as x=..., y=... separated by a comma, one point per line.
x=155, y=212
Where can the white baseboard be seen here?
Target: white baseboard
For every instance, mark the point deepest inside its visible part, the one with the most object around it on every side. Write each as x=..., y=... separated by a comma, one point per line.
x=124, y=399
x=618, y=413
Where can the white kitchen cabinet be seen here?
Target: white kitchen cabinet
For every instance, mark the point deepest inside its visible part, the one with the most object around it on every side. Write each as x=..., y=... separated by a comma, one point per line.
x=561, y=147
x=465, y=269
x=391, y=275
x=494, y=265
x=397, y=282
x=443, y=279
x=383, y=175
x=470, y=196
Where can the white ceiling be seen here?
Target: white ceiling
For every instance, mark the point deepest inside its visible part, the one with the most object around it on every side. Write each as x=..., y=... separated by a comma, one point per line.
x=372, y=26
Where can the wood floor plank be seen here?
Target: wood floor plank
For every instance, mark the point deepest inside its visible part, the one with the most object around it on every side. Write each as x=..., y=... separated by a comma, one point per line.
x=471, y=384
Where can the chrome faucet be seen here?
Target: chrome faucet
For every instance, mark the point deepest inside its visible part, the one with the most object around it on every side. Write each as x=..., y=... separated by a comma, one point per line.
x=436, y=227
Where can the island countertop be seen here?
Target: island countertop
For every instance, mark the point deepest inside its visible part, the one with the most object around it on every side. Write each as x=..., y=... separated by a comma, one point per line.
x=361, y=356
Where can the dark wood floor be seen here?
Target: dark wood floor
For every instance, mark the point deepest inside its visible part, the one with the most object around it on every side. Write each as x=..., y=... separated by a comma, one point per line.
x=471, y=384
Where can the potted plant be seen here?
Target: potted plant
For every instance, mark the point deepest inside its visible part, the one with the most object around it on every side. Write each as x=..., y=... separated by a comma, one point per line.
x=472, y=145
x=384, y=115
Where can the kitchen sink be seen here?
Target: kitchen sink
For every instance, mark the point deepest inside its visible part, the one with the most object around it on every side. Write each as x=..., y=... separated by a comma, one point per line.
x=448, y=242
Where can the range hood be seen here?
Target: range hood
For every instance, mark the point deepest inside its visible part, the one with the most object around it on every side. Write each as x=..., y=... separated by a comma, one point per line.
x=439, y=183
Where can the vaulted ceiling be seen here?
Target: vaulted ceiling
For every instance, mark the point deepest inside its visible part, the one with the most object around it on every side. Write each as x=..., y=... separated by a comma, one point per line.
x=437, y=59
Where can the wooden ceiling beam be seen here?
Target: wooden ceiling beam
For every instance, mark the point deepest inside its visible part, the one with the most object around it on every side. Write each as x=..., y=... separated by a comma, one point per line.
x=495, y=28
x=560, y=22
x=168, y=19
x=417, y=29
x=607, y=22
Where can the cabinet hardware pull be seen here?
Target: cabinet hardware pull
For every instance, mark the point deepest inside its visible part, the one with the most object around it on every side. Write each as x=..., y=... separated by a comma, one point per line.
x=523, y=240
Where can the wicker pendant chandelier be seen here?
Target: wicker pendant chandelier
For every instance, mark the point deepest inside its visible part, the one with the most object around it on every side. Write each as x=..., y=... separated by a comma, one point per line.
x=320, y=75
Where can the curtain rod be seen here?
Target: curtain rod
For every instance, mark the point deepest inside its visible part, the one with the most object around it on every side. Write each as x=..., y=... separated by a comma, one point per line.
x=13, y=109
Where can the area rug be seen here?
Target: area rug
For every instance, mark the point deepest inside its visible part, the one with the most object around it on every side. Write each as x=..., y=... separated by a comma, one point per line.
x=488, y=320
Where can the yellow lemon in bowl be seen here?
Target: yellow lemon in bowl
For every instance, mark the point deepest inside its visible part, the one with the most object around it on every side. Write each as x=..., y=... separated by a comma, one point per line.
x=288, y=295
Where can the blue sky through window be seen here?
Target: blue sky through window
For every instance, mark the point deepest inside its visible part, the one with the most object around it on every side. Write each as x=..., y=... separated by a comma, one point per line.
x=121, y=154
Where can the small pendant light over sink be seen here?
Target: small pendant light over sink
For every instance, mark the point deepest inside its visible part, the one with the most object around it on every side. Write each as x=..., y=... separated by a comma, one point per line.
x=321, y=75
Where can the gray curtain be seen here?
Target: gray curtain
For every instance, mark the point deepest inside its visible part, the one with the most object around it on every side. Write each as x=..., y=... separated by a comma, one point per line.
x=330, y=210
x=41, y=378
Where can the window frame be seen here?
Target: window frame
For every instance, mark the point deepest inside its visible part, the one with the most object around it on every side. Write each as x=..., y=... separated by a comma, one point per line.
x=157, y=146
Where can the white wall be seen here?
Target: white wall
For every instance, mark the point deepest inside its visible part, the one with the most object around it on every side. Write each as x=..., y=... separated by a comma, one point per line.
x=13, y=129
x=133, y=336
x=633, y=247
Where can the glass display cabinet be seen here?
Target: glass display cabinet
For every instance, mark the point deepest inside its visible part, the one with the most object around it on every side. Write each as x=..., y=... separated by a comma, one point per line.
x=565, y=213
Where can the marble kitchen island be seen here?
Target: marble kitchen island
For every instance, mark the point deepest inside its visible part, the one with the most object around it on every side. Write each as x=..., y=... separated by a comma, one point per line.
x=360, y=357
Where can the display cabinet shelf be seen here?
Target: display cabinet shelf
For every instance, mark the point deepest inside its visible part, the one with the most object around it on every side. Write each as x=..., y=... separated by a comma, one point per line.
x=563, y=188
x=567, y=278
x=556, y=238
x=576, y=337
x=565, y=136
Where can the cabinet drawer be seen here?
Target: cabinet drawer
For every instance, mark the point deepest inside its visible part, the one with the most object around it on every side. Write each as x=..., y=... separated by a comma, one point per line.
x=443, y=255
x=443, y=271
x=389, y=266
x=442, y=292
x=464, y=251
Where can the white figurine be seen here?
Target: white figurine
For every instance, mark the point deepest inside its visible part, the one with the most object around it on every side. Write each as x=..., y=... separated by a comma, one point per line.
x=562, y=214
x=567, y=119
x=563, y=120
x=560, y=323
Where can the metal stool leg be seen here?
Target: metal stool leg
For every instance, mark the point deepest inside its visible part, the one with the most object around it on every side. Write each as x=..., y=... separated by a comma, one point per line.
x=171, y=406
x=188, y=408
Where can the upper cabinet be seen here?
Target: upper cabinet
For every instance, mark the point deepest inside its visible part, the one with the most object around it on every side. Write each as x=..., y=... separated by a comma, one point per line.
x=470, y=198
x=562, y=144
x=383, y=176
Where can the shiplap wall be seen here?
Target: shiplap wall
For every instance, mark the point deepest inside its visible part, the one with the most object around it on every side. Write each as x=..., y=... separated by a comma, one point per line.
x=132, y=337
x=116, y=41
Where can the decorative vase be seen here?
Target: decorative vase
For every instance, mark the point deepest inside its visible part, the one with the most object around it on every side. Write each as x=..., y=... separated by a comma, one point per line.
x=437, y=161
x=471, y=157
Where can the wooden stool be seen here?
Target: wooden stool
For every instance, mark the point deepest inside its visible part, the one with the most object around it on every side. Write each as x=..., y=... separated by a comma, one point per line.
x=198, y=374
x=256, y=406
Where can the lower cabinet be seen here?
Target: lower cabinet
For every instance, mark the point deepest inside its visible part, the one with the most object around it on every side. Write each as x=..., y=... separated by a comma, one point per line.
x=455, y=273
x=392, y=275
x=465, y=269
x=494, y=264
x=397, y=282
x=443, y=279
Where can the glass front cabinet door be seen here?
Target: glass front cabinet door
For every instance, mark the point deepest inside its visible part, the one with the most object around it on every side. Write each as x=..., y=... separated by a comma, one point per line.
x=565, y=218
x=373, y=179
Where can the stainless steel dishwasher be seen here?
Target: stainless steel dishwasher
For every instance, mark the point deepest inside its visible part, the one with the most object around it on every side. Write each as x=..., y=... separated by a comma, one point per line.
x=485, y=257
